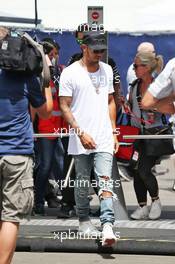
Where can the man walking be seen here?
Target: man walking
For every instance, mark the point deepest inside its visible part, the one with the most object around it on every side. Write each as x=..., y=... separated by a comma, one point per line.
x=87, y=104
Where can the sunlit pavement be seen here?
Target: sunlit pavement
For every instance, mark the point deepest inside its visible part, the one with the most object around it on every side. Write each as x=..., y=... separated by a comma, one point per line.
x=49, y=234
x=81, y=258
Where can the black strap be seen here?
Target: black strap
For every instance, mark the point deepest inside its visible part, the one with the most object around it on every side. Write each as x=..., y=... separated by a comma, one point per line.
x=164, y=120
x=132, y=86
x=138, y=97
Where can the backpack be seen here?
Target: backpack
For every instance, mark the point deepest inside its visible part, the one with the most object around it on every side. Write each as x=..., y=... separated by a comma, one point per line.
x=20, y=53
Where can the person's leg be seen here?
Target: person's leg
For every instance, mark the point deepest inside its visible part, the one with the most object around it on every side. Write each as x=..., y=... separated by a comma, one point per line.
x=150, y=183
x=103, y=163
x=140, y=189
x=56, y=175
x=92, y=180
x=8, y=237
x=47, y=148
x=144, y=169
x=58, y=165
x=141, y=194
x=95, y=213
x=16, y=174
x=83, y=166
x=103, y=170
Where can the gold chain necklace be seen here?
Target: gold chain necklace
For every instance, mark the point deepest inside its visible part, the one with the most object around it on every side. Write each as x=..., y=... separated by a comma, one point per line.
x=96, y=81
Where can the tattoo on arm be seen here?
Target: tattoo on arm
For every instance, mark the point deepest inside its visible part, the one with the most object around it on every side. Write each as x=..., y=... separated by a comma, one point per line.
x=65, y=103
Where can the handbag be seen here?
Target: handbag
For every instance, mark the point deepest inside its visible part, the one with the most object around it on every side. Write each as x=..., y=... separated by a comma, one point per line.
x=158, y=147
x=126, y=146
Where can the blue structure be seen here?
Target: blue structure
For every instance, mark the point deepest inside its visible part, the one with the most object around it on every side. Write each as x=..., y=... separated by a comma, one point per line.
x=122, y=47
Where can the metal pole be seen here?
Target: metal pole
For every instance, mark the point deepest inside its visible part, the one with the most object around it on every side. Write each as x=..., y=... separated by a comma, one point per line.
x=36, y=14
x=120, y=210
x=68, y=173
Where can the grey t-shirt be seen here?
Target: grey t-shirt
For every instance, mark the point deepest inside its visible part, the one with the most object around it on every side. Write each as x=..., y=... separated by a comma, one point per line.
x=156, y=117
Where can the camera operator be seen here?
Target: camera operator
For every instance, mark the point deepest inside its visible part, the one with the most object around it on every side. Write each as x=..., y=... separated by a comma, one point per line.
x=17, y=91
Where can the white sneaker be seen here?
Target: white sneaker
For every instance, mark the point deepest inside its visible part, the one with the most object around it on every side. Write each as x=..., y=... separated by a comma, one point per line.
x=108, y=237
x=88, y=230
x=155, y=210
x=140, y=213
x=123, y=172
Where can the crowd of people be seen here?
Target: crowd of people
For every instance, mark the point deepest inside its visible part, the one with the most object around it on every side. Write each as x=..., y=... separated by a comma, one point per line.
x=84, y=95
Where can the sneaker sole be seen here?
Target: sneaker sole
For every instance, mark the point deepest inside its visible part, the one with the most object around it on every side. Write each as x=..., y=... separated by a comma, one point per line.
x=154, y=218
x=143, y=218
x=109, y=242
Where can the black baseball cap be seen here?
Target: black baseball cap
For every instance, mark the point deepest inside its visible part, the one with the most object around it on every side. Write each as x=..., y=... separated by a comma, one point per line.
x=95, y=40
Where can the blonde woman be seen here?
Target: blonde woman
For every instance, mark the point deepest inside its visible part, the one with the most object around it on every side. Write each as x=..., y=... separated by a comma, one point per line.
x=145, y=65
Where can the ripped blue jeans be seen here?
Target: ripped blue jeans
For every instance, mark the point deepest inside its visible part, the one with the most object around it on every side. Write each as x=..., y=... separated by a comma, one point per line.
x=101, y=162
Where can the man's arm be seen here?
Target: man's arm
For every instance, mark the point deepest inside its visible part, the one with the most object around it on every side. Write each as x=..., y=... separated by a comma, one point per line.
x=112, y=114
x=164, y=105
x=148, y=101
x=117, y=95
x=160, y=93
x=65, y=102
x=86, y=140
x=45, y=110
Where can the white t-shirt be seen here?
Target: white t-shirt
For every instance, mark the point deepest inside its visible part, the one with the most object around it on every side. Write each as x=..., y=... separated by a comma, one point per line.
x=131, y=76
x=89, y=105
x=164, y=84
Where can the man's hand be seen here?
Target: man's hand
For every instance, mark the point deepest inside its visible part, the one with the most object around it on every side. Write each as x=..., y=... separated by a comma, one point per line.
x=127, y=107
x=140, y=105
x=87, y=141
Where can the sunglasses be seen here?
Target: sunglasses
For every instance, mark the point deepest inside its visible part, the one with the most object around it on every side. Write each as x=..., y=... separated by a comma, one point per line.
x=135, y=66
x=79, y=41
x=99, y=51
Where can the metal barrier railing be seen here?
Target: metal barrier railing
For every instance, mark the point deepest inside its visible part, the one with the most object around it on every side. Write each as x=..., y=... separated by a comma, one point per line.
x=124, y=136
x=51, y=135
x=149, y=136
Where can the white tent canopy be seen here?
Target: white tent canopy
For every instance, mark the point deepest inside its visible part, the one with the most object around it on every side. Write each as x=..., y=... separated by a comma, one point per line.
x=119, y=16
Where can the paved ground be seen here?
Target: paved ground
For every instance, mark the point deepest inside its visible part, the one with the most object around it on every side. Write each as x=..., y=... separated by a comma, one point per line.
x=64, y=258
x=141, y=237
